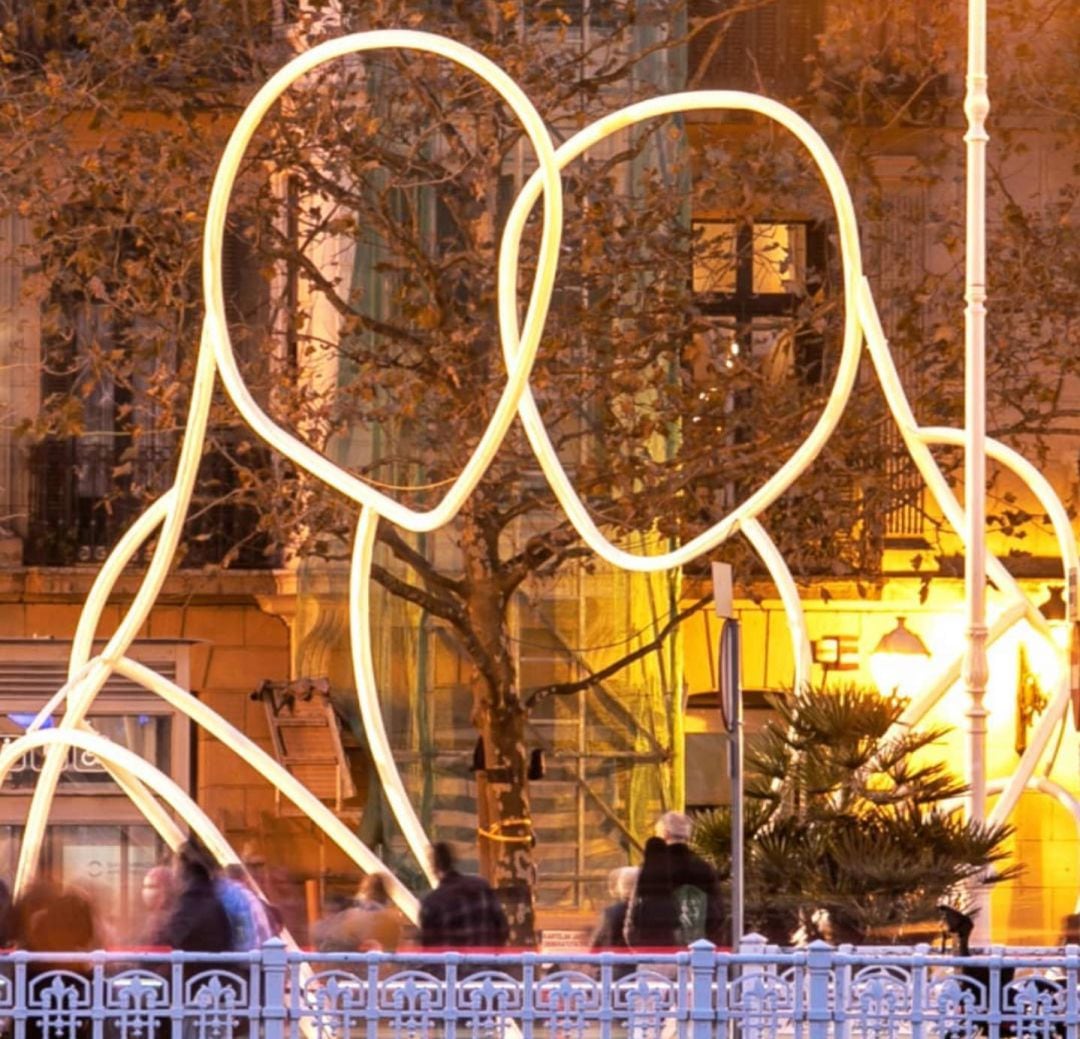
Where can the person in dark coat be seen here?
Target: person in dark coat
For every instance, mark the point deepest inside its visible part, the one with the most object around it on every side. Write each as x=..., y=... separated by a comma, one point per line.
x=198, y=921
x=463, y=912
x=695, y=883
x=7, y=916
x=652, y=921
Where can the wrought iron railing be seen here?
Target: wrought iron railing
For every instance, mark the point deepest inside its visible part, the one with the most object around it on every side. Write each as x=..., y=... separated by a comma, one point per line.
x=699, y=993
x=79, y=509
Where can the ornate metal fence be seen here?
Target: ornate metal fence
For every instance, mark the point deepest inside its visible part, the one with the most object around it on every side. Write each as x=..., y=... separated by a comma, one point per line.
x=701, y=993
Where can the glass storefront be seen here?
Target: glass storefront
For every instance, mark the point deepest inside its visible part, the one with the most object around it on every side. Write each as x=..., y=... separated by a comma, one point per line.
x=96, y=838
x=107, y=861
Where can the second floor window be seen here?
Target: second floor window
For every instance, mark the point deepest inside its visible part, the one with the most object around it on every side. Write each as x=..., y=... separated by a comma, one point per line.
x=758, y=47
x=761, y=288
x=753, y=281
x=111, y=384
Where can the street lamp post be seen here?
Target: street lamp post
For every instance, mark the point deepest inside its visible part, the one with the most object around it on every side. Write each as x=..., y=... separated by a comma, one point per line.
x=975, y=671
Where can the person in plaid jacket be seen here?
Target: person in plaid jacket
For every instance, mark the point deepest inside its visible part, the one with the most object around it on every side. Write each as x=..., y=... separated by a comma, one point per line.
x=463, y=912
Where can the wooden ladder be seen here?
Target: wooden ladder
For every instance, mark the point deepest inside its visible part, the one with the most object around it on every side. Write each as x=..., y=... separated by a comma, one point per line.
x=307, y=739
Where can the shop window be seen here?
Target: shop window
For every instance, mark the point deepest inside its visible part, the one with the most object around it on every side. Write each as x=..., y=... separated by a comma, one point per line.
x=131, y=726
x=32, y=670
x=107, y=862
x=95, y=837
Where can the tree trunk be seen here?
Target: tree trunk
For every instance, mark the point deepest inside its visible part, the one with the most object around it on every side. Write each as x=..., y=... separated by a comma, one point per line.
x=504, y=818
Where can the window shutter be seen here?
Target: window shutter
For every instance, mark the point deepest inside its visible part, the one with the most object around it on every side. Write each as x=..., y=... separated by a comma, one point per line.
x=761, y=49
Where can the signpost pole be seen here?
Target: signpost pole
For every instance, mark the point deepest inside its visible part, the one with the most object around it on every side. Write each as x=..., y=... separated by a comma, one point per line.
x=731, y=709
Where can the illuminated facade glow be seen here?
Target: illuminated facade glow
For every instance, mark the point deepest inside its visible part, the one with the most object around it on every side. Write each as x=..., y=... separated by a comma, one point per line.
x=154, y=794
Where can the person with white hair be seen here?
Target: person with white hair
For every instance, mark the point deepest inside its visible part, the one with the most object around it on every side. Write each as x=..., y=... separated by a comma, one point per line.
x=608, y=936
x=696, y=883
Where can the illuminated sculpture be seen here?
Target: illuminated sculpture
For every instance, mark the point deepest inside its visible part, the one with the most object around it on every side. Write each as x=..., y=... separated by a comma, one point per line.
x=87, y=674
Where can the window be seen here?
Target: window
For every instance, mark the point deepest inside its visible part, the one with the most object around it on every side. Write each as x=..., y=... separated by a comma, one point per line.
x=750, y=279
x=75, y=512
x=131, y=725
x=31, y=670
x=759, y=285
x=105, y=860
x=41, y=26
x=102, y=372
x=19, y=383
x=894, y=256
x=760, y=48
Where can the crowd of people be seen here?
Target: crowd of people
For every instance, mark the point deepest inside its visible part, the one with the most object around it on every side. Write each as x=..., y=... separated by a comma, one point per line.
x=190, y=903
x=673, y=899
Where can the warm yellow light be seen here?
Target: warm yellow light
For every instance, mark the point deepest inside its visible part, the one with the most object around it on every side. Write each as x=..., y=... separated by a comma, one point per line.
x=900, y=662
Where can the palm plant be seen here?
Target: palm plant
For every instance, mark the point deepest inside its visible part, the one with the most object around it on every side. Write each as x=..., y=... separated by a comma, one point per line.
x=846, y=815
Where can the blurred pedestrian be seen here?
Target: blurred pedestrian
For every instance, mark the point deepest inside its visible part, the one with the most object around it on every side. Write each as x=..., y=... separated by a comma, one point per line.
x=332, y=933
x=379, y=923
x=248, y=918
x=62, y=923
x=56, y=920
x=463, y=912
x=609, y=934
x=367, y=923
x=198, y=921
x=270, y=910
x=696, y=884
x=158, y=894
x=7, y=935
x=38, y=894
x=652, y=921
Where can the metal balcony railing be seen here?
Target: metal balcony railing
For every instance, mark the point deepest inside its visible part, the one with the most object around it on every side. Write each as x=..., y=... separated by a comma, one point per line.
x=700, y=993
x=79, y=509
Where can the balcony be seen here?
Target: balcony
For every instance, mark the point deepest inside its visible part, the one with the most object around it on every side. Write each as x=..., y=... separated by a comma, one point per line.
x=78, y=510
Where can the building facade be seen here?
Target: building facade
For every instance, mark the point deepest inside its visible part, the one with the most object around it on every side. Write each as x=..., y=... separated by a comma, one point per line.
x=764, y=275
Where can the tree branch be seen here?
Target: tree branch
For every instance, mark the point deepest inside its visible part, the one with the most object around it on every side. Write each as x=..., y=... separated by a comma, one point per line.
x=596, y=677
x=423, y=567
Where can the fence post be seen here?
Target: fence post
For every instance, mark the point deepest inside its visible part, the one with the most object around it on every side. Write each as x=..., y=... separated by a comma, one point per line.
x=841, y=987
x=274, y=968
x=920, y=978
x=702, y=963
x=995, y=1000
x=752, y=945
x=819, y=962
x=97, y=995
x=20, y=994
x=1072, y=979
x=745, y=1000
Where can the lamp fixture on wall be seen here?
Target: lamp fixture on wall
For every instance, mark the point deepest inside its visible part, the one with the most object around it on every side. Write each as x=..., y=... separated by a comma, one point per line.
x=900, y=661
x=902, y=641
x=1066, y=634
x=1031, y=701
